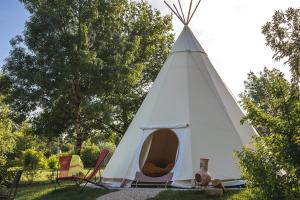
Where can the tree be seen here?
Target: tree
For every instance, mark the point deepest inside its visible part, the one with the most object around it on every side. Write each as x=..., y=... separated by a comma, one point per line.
x=76, y=56
x=7, y=142
x=272, y=105
x=272, y=110
x=268, y=170
x=283, y=36
x=273, y=165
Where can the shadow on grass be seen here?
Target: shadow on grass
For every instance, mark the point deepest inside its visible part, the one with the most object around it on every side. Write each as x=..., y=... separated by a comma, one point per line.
x=47, y=192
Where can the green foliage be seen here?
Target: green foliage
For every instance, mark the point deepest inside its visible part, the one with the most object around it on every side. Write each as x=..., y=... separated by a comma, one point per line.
x=272, y=167
x=83, y=66
x=273, y=110
x=52, y=162
x=33, y=161
x=7, y=140
x=282, y=35
x=67, y=147
x=267, y=168
x=89, y=155
x=24, y=139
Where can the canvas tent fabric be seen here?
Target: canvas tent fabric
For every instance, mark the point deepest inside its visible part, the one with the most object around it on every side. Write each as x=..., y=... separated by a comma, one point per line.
x=189, y=99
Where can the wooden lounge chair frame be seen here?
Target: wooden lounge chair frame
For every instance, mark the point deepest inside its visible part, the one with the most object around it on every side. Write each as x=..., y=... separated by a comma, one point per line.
x=164, y=180
x=89, y=176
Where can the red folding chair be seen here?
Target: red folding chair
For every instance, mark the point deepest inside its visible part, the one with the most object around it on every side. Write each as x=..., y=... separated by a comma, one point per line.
x=89, y=176
x=63, y=170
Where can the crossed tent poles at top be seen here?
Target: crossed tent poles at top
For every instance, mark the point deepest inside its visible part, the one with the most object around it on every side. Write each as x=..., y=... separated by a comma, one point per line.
x=181, y=15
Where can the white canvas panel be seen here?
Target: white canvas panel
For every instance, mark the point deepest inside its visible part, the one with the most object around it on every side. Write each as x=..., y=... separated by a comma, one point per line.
x=214, y=136
x=172, y=96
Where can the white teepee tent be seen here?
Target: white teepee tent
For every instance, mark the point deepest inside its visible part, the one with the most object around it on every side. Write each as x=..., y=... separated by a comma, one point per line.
x=190, y=101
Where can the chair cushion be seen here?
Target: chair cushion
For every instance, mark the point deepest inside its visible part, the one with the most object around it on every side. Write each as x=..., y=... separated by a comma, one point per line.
x=152, y=170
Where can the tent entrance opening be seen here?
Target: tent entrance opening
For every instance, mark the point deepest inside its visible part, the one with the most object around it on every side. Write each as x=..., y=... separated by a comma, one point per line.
x=159, y=152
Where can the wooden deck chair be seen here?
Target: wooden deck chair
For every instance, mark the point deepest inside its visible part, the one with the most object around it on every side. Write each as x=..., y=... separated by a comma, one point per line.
x=89, y=176
x=11, y=194
x=63, y=170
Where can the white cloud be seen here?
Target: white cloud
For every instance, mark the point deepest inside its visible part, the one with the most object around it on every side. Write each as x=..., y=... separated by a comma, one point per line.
x=230, y=32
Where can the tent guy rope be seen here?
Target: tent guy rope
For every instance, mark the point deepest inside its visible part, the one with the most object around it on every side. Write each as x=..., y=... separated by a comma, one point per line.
x=181, y=16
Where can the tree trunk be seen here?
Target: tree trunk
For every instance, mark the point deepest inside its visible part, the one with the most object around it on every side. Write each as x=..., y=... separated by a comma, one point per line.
x=78, y=132
x=79, y=138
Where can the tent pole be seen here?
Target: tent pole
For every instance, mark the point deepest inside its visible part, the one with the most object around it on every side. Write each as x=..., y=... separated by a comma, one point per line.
x=179, y=14
x=173, y=11
x=191, y=3
x=182, y=11
x=194, y=11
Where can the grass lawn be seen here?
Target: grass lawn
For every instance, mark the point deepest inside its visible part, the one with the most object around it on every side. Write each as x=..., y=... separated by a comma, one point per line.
x=201, y=195
x=41, y=190
x=68, y=191
x=64, y=192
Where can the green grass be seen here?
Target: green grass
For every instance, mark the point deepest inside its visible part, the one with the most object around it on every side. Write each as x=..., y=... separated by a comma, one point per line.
x=41, y=189
x=64, y=192
x=201, y=195
x=42, y=176
x=69, y=191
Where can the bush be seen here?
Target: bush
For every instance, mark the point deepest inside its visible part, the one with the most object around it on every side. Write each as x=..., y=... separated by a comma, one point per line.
x=52, y=162
x=268, y=170
x=89, y=155
x=67, y=147
x=33, y=161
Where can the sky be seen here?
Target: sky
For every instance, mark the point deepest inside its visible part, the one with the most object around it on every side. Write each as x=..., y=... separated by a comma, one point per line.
x=228, y=30
x=12, y=20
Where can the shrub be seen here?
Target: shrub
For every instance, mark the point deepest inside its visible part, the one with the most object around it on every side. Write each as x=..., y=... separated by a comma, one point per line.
x=67, y=147
x=90, y=152
x=268, y=170
x=33, y=161
x=89, y=155
x=52, y=162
